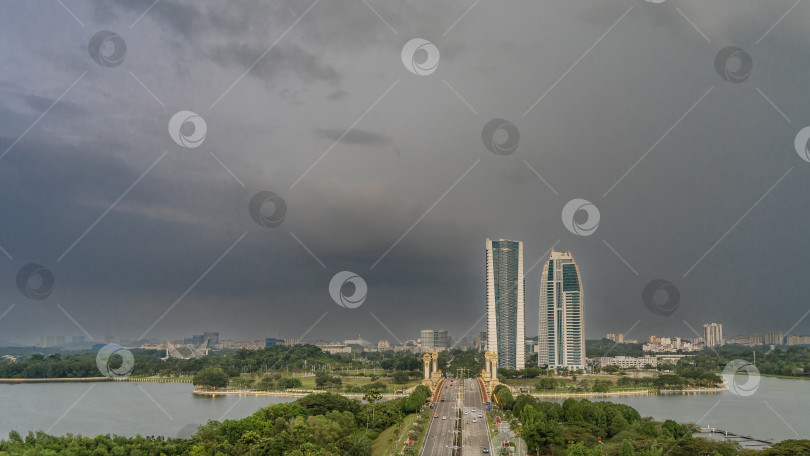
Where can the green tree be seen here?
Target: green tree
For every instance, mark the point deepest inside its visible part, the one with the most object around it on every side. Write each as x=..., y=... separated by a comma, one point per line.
x=211, y=377
x=289, y=382
x=546, y=384
x=627, y=449
x=542, y=435
x=579, y=449
x=372, y=396
x=504, y=396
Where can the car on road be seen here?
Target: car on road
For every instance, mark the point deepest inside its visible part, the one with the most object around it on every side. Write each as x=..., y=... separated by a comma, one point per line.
x=444, y=417
x=474, y=420
x=473, y=410
x=466, y=412
x=435, y=415
x=485, y=450
x=480, y=415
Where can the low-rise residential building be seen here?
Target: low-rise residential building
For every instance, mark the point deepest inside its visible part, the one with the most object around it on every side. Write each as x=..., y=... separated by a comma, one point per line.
x=797, y=340
x=668, y=344
x=627, y=362
x=334, y=347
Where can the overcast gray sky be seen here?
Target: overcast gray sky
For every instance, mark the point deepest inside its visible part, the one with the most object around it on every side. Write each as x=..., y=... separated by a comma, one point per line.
x=384, y=172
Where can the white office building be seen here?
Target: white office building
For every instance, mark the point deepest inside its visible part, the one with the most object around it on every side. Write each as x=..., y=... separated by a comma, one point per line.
x=562, y=314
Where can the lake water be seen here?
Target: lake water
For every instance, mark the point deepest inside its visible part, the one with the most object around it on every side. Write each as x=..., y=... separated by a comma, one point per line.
x=123, y=408
x=779, y=409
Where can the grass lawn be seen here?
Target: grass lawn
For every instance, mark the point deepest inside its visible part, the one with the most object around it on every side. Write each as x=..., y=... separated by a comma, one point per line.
x=566, y=382
x=388, y=439
x=309, y=382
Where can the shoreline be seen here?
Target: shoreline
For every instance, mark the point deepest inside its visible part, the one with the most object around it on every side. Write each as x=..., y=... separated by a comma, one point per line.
x=293, y=393
x=646, y=392
x=97, y=379
x=54, y=380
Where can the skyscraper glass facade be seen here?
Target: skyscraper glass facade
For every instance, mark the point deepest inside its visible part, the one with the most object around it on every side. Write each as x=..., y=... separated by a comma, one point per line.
x=561, y=329
x=505, y=302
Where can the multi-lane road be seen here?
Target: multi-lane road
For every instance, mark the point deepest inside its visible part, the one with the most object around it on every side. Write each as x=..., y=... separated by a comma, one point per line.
x=475, y=438
x=465, y=394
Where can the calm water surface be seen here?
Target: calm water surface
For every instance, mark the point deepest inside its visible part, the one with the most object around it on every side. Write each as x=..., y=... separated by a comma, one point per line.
x=122, y=408
x=780, y=409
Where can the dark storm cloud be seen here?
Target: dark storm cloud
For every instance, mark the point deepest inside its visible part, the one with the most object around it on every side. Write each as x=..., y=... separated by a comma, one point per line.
x=356, y=136
x=291, y=58
x=407, y=223
x=337, y=95
x=40, y=104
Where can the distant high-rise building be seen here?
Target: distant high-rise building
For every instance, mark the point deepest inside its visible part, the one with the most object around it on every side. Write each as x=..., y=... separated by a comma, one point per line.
x=774, y=338
x=618, y=338
x=506, y=327
x=756, y=339
x=481, y=342
x=270, y=341
x=561, y=341
x=212, y=337
x=383, y=345
x=713, y=334
x=434, y=340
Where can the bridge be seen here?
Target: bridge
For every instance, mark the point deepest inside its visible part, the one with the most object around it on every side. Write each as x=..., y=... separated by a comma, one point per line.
x=739, y=437
x=461, y=407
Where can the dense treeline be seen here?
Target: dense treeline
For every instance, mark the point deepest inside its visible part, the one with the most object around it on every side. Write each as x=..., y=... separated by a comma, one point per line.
x=793, y=361
x=150, y=362
x=604, y=347
x=294, y=358
x=579, y=425
x=321, y=424
x=457, y=362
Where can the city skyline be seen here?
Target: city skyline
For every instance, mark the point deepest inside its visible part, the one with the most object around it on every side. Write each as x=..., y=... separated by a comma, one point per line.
x=141, y=242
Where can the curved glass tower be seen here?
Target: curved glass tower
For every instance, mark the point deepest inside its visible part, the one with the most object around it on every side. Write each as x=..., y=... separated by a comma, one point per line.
x=561, y=340
x=506, y=327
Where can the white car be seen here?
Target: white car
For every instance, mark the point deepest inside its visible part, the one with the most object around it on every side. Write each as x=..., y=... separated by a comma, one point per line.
x=473, y=410
x=480, y=415
x=474, y=420
x=444, y=417
x=466, y=412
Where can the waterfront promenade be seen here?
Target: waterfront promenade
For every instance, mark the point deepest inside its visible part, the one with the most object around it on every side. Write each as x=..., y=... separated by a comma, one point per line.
x=97, y=379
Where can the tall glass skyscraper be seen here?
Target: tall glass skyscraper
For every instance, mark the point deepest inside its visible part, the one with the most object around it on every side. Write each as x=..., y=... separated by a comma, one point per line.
x=561, y=340
x=506, y=327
